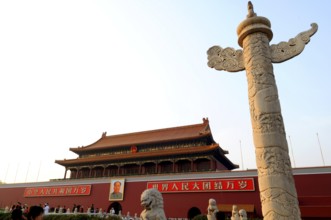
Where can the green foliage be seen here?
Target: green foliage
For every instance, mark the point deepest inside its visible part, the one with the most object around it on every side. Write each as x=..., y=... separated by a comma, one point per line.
x=200, y=217
x=5, y=216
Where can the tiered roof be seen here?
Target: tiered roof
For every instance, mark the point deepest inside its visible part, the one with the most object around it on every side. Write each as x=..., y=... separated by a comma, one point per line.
x=145, y=155
x=166, y=135
x=148, y=137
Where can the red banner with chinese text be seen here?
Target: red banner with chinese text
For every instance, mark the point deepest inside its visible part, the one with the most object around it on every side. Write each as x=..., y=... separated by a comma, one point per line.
x=243, y=184
x=76, y=190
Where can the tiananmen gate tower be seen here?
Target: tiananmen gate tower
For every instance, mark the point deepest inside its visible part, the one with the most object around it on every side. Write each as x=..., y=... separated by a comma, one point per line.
x=171, y=150
x=184, y=163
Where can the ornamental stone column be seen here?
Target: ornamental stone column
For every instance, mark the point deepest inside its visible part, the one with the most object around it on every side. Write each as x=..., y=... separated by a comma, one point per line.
x=277, y=189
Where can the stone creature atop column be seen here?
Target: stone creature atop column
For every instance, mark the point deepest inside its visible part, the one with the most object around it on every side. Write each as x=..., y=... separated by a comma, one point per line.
x=235, y=213
x=212, y=209
x=242, y=214
x=277, y=189
x=152, y=201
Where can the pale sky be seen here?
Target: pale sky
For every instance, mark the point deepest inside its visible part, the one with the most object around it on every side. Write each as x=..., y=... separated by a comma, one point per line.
x=70, y=70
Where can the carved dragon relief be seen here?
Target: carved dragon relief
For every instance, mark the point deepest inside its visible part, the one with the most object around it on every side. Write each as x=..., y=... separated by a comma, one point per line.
x=285, y=205
x=227, y=59
x=273, y=161
x=231, y=60
x=286, y=50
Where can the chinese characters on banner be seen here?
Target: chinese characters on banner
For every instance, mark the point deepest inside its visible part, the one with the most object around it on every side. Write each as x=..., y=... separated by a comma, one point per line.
x=243, y=184
x=76, y=190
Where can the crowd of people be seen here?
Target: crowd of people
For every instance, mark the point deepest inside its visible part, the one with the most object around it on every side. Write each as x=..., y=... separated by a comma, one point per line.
x=31, y=213
x=24, y=212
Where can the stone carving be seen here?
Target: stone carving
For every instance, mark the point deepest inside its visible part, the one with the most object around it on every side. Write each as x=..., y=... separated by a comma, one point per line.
x=242, y=214
x=152, y=201
x=283, y=203
x=227, y=59
x=235, y=213
x=286, y=50
x=231, y=60
x=277, y=189
x=272, y=159
x=250, y=8
x=212, y=209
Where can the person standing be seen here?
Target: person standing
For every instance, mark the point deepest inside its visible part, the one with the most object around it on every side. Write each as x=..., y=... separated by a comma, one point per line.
x=16, y=213
x=35, y=213
x=92, y=208
x=46, y=208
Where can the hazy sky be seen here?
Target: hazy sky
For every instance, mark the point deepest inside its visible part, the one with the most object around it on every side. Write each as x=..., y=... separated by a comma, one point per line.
x=70, y=70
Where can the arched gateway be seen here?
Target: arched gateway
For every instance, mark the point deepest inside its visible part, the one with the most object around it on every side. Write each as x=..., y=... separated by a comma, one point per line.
x=192, y=212
x=117, y=207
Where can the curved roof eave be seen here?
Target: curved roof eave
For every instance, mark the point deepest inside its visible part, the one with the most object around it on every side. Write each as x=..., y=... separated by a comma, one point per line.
x=108, y=158
x=187, y=132
x=80, y=150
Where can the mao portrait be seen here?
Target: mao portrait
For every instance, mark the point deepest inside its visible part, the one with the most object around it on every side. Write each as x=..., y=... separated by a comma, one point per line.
x=116, y=190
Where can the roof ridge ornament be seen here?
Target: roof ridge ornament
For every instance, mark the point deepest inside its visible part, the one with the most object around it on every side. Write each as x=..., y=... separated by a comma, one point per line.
x=251, y=12
x=205, y=120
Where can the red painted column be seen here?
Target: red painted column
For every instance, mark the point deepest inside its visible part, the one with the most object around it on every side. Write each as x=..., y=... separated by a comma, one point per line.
x=104, y=171
x=65, y=173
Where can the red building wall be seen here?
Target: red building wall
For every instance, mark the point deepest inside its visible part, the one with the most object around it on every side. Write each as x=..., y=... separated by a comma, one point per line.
x=314, y=194
x=175, y=204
